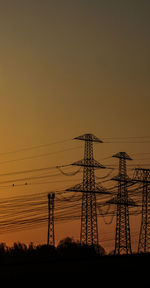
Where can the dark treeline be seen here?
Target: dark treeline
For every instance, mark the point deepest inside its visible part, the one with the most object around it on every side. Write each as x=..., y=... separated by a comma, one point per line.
x=41, y=261
x=67, y=249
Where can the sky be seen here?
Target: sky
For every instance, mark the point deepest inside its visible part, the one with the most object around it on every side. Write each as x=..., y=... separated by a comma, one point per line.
x=68, y=68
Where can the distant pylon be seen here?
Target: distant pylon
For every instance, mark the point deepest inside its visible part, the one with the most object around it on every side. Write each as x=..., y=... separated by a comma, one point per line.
x=89, y=229
x=143, y=175
x=50, y=236
x=122, y=237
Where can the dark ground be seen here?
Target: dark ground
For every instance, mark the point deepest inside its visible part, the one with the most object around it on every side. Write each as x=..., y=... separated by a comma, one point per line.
x=69, y=263
x=44, y=268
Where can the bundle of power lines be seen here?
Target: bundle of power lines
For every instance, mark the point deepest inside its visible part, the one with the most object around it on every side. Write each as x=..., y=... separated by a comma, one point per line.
x=31, y=211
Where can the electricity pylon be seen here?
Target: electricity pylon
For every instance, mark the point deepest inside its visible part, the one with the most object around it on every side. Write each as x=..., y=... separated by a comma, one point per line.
x=88, y=187
x=143, y=175
x=50, y=236
x=122, y=237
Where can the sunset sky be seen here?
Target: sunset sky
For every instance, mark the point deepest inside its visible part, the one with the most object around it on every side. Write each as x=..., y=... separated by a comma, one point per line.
x=70, y=67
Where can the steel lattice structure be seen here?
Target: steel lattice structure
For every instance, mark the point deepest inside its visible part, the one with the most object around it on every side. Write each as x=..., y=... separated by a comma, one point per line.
x=122, y=237
x=143, y=175
x=88, y=187
x=50, y=236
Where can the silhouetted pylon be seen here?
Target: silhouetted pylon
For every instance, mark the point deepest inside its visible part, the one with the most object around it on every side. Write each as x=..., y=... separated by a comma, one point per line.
x=88, y=187
x=143, y=175
x=50, y=235
x=122, y=237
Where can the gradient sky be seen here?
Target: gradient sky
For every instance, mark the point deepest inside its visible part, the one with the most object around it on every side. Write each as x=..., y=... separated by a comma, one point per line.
x=72, y=67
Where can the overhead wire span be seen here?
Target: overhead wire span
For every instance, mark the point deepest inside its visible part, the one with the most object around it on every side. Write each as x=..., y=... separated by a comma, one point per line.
x=127, y=137
x=34, y=211
x=34, y=147
x=40, y=155
x=101, y=212
x=69, y=198
x=107, y=214
x=68, y=173
x=31, y=211
x=28, y=197
x=31, y=183
x=28, y=171
x=111, y=219
x=106, y=176
x=28, y=178
x=63, y=141
x=127, y=142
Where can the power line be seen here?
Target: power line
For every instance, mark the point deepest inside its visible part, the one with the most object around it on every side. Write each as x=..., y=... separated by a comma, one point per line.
x=28, y=171
x=127, y=137
x=30, y=211
x=34, y=147
x=39, y=155
x=126, y=142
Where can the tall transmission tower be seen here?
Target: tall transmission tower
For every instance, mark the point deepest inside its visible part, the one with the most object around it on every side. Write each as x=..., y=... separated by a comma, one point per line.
x=122, y=237
x=143, y=175
x=88, y=187
x=50, y=235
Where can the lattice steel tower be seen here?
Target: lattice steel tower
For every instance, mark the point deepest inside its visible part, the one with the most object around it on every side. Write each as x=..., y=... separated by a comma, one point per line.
x=50, y=235
x=88, y=187
x=143, y=175
x=122, y=237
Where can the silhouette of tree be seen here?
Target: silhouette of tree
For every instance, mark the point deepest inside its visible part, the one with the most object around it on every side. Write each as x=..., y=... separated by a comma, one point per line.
x=46, y=251
x=100, y=250
x=31, y=246
x=67, y=242
x=68, y=248
x=3, y=249
x=18, y=249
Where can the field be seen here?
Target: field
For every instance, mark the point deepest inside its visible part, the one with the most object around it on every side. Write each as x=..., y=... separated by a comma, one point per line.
x=46, y=263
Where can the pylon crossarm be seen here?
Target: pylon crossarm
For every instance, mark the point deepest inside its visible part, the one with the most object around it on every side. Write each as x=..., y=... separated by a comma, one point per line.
x=88, y=163
x=125, y=179
x=130, y=202
x=140, y=181
x=98, y=189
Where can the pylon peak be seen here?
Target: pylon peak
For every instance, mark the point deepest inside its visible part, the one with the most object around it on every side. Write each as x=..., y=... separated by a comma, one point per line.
x=122, y=155
x=88, y=137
